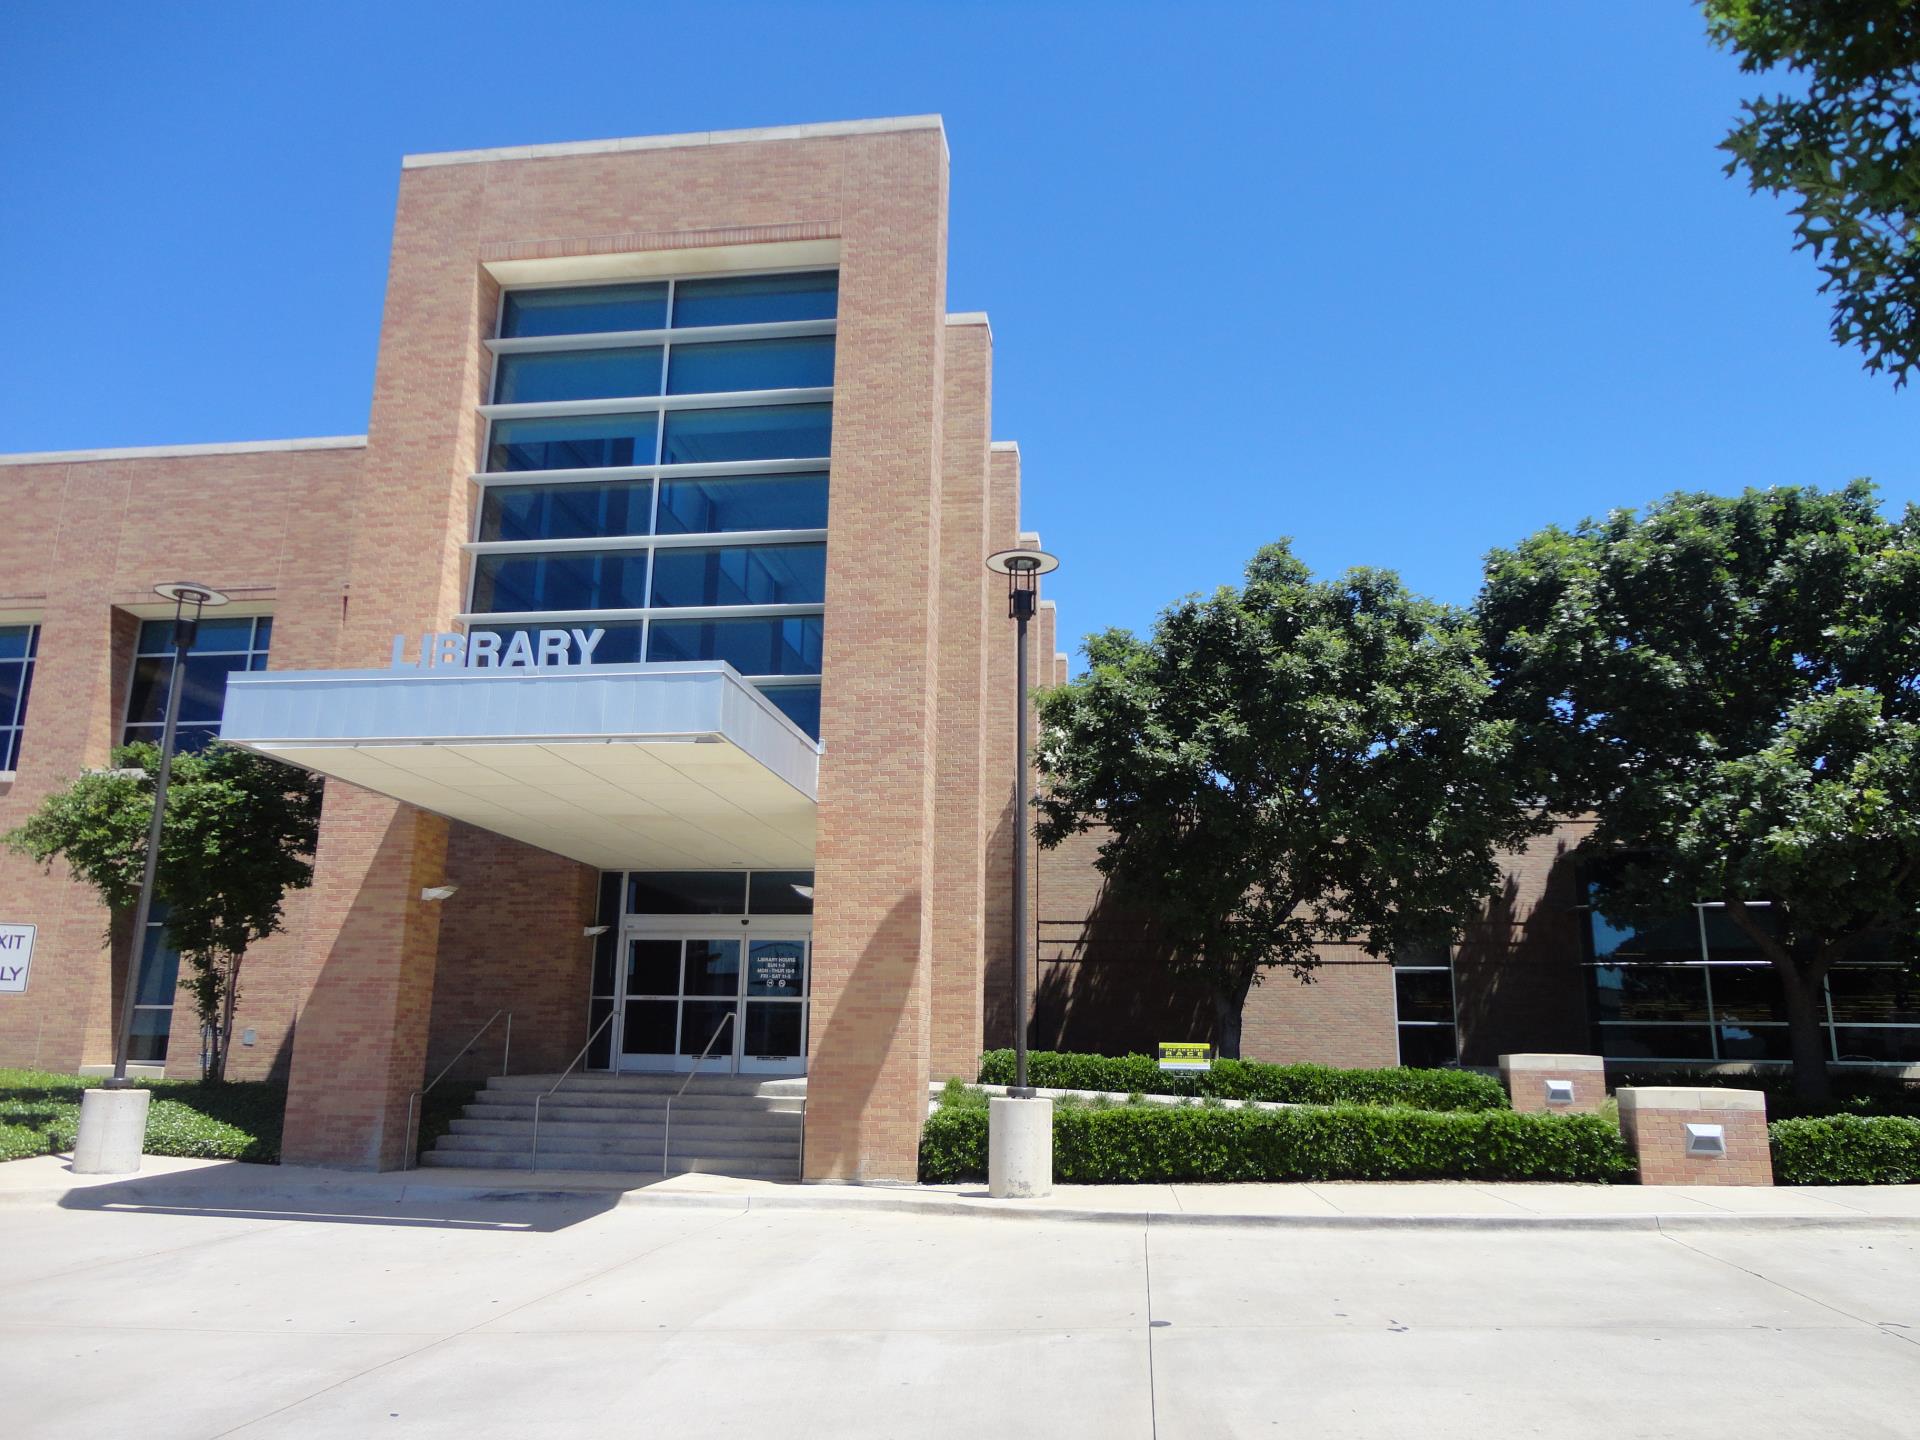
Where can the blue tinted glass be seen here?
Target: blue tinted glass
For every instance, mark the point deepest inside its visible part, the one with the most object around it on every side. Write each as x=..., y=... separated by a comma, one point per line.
x=224, y=635
x=1650, y=992
x=147, y=694
x=147, y=1041
x=741, y=575
x=590, y=309
x=263, y=632
x=785, y=432
x=799, y=703
x=751, y=365
x=743, y=502
x=562, y=512
x=13, y=684
x=574, y=442
x=789, y=645
x=576, y=375
x=9, y=749
x=620, y=645
x=204, y=695
x=159, y=969
x=15, y=641
x=756, y=299
x=576, y=580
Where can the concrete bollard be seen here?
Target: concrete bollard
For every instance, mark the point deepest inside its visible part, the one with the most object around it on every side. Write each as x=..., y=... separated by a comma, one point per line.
x=1566, y=1083
x=113, y=1132
x=1686, y=1136
x=1019, y=1148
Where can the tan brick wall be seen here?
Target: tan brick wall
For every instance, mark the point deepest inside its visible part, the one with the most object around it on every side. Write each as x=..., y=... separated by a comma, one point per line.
x=1004, y=533
x=1343, y=1014
x=1526, y=1077
x=959, y=895
x=1657, y=1137
x=83, y=539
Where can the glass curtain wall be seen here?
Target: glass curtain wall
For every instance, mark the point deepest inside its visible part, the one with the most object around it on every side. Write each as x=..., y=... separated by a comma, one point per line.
x=1694, y=988
x=18, y=646
x=656, y=467
x=220, y=647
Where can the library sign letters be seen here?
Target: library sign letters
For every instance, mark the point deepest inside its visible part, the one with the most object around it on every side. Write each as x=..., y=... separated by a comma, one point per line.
x=485, y=650
x=16, y=955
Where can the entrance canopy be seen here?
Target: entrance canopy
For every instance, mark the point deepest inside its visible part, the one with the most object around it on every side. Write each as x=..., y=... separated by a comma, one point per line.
x=657, y=766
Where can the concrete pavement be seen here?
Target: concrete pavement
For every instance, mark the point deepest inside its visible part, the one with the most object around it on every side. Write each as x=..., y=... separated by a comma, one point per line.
x=577, y=1316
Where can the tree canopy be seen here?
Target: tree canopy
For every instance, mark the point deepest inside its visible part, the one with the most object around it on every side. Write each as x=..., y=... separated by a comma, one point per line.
x=1287, y=764
x=239, y=834
x=1732, y=686
x=1846, y=150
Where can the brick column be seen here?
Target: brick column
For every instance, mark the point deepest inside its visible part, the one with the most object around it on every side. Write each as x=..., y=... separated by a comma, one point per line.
x=1669, y=1130
x=1534, y=1082
x=959, y=840
x=361, y=1043
x=1003, y=519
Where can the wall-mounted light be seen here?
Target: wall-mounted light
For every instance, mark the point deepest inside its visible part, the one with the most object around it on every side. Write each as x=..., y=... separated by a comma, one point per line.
x=1559, y=1092
x=434, y=893
x=1706, y=1140
x=593, y=930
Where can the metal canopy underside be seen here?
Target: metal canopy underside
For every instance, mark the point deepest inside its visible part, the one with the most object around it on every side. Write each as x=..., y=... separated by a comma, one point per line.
x=663, y=766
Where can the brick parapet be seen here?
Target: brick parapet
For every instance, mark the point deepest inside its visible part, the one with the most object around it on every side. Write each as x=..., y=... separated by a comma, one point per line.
x=1654, y=1120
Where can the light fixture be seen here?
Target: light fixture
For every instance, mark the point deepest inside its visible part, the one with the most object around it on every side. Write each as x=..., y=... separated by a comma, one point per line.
x=805, y=892
x=1559, y=1092
x=434, y=893
x=594, y=930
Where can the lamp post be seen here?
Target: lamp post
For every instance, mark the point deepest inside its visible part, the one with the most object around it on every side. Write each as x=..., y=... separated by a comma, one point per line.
x=183, y=593
x=1023, y=569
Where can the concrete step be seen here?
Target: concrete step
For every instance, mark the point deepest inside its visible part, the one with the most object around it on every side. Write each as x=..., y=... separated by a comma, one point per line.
x=604, y=1100
x=485, y=1109
x=472, y=1124
x=639, y=1149
x=786, y=1169
x=707, y=1082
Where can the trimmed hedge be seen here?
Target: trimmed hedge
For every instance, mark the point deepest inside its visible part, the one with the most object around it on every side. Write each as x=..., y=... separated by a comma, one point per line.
x=1846, y=1150
x=1248, y=1080
x=237, y=1120
x=1093, y=1144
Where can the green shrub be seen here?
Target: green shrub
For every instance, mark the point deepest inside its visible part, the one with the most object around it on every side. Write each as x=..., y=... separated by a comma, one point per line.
x=237, y=1120
x=1248, y=1080
x=1846, y=1150
x=1116, y=1143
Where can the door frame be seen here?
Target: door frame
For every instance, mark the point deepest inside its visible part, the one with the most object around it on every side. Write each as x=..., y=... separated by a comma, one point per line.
x=729, y=1058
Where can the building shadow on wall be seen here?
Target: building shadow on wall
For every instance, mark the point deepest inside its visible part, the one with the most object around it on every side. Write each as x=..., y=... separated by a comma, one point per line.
x=1518, y=980
x=1106, y=984
x=847, y=1059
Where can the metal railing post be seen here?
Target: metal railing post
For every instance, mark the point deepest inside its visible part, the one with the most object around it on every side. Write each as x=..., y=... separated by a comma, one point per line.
x=533, y=1160
x=418, y=1098
x=666, y=1129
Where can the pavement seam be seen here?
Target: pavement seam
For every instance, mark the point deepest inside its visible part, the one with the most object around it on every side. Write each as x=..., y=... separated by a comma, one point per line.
x=452, y=1335
x=1153, y=1392
x=1873, y=1325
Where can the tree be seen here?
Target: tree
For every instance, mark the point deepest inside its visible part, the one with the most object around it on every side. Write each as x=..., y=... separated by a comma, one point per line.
x=1733, y=687
x=1286, y=765
x=1847, y=150
x=239, y=834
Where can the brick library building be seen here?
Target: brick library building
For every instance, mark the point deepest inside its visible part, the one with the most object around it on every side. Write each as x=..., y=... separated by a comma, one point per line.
x=665, y=709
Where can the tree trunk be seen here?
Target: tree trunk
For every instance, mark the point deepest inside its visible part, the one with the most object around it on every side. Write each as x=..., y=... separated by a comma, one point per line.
x=1229, y=1008
x=223, y=1036
x=1812, y=1084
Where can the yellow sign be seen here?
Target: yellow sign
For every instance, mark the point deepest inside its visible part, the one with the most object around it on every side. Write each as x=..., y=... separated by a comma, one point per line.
x=1185, y=1055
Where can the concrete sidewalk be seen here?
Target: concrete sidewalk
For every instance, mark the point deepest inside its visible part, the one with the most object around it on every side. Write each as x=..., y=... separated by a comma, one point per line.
x=228, y=1186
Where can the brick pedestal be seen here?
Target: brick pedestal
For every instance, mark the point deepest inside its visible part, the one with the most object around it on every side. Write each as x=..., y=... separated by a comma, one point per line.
x=1661, y=1121
x=1534, y=1082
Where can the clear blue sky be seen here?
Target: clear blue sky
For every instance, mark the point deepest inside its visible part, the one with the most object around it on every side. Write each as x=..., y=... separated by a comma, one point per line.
x=1401, y=280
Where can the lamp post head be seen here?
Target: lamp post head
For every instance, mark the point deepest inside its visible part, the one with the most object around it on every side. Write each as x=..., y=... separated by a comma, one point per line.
x=190, y=592
x=1023, y=569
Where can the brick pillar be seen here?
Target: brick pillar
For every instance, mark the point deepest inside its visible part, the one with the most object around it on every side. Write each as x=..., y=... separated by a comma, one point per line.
x=868, y=1063
x=1667, y=1129
x=1534, y=1082
x=959, y=841
x=361, y=1043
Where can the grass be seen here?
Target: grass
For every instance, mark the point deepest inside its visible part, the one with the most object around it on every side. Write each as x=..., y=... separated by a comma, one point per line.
x=238, y=1120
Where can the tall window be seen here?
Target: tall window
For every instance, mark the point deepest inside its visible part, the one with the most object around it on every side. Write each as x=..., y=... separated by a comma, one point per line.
x=221, y=647
x=1423, y=1006
x=153, y=1006
x=18, y=646
x=1695, y=988
x=656, y=466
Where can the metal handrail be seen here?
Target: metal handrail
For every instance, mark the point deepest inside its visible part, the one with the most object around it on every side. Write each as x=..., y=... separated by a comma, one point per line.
x=666, y=1129
x=533, y=1161
x=414, y=1100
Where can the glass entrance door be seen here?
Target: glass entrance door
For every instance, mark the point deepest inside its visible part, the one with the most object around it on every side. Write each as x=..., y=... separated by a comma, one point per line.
x=740, y=997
